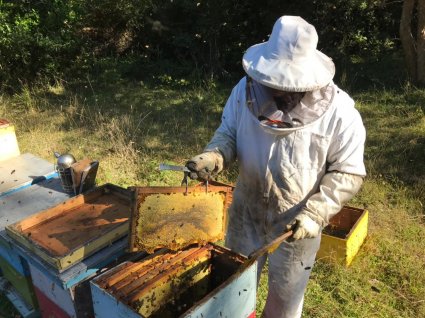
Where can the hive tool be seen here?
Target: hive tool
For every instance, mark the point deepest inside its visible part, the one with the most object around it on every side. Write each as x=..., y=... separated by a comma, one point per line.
x=267, y=248
x=183, y=169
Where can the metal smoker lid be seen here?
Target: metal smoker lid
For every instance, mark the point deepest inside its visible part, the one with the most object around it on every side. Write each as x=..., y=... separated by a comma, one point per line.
x=165, y=217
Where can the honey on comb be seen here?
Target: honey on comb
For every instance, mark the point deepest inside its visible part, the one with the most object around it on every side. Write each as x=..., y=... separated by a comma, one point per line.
x=177, y=220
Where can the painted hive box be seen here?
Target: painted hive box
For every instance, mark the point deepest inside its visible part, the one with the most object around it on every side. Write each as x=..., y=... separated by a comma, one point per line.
x=186, y=275
x=76, y=228
x=343, y=237
x=197, y=281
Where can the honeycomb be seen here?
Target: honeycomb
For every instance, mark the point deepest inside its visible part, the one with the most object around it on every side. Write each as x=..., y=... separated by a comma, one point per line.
x=176, y=220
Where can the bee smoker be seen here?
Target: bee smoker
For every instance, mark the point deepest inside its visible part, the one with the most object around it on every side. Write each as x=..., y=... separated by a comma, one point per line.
x=63, y=167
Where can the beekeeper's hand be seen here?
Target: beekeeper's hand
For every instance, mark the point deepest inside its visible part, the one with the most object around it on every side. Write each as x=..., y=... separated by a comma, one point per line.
x=304, y=227
x=205, y=165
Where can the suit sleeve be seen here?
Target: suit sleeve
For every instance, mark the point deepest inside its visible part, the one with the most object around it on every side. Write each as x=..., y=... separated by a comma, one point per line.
x=224, y=139
x=345, y=170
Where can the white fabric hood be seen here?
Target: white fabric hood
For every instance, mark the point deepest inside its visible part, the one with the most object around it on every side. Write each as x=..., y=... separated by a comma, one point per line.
x=289, y=60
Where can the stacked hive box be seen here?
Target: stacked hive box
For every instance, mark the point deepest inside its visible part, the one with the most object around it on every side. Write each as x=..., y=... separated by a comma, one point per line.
x=193, y=282
x=68, y=244
x=27, y=183
x=67, y=294
x=15, y=207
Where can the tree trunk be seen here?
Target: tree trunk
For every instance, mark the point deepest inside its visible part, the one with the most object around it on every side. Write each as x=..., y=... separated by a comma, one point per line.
x=421, y=43
x=407, y=40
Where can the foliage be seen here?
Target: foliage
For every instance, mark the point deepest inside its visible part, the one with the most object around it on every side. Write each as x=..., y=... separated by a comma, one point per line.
x=36, y=38
x=68, y=38
x=213, y=35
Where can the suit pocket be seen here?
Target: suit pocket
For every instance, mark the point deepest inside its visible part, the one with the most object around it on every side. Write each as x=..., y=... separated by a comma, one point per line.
x=309, y=150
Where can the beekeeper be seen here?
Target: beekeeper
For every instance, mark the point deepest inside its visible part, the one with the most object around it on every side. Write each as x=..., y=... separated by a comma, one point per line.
x=299, y=144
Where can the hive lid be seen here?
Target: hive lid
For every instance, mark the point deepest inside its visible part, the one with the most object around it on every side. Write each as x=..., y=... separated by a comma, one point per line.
x=167, y=217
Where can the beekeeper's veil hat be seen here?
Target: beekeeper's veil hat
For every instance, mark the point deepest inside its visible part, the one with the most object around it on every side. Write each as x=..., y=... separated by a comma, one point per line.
x=289, y=60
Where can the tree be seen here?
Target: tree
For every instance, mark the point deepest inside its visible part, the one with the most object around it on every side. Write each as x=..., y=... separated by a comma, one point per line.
x=413, y=19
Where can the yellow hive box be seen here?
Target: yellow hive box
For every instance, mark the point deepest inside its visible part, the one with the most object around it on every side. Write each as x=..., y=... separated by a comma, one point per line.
x=8, y=143
x=342, y=238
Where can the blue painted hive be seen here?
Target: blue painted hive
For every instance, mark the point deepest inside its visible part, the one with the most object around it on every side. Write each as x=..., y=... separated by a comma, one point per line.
x=186, y=275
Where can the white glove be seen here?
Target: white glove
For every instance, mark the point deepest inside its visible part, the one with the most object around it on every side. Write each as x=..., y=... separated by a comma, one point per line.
x=304, y=227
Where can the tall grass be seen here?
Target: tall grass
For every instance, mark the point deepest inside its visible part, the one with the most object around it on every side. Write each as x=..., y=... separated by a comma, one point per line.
x=130, y=127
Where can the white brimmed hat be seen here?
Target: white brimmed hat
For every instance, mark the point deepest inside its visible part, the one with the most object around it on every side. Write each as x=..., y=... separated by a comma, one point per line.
x=289, y=60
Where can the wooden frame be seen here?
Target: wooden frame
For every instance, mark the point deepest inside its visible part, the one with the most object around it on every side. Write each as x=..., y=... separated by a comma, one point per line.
x=140, y=193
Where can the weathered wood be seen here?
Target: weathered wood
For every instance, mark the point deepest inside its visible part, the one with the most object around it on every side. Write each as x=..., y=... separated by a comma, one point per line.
x=80, y=271
x=21, y=204
x=14, y=207
x=70, y=290
x=49, y=308
x=73, y=230
x=222, y=291
x=15, y=298
x=22, y=171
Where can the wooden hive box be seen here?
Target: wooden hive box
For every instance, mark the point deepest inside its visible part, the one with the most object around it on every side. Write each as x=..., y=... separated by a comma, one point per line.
x=16, y=299
x=20, y=283
x=14, y=207
x=185, y=276
x=76, y=228
x=67, y=294
x=198, y=281
x=343, y=237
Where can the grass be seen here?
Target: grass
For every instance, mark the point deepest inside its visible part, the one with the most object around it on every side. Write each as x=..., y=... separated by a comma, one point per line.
x=132, y=126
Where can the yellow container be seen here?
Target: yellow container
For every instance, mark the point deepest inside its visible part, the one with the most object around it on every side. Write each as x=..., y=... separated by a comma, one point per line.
x=8, y=143
x=343, y=237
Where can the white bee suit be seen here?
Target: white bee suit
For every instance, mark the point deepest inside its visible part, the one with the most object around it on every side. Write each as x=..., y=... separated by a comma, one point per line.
x=314, y=168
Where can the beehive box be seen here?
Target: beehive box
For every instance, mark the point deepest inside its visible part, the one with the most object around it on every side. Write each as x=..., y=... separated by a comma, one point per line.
x=48, y=308
x=68, y=294
x=343, y=237
x=75, y=229
x=23, y=171
x=16, y=300
x=198, y=281
x=14, y=207
x=187, y=275
x=8, y=144
x=20, y=283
